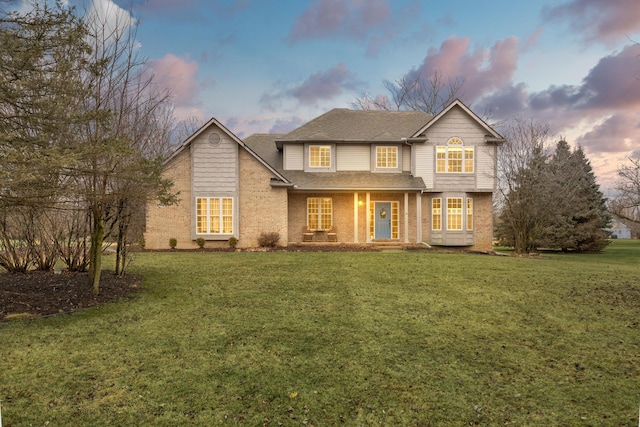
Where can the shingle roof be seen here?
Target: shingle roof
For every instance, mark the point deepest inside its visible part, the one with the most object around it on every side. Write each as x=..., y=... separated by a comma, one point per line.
x=360, y=125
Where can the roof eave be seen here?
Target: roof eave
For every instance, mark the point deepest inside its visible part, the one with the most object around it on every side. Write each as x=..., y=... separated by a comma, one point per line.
x=312, y=188
x=280, y=142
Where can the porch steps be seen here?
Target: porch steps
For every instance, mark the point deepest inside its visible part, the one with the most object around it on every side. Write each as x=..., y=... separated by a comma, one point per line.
x=389, y=246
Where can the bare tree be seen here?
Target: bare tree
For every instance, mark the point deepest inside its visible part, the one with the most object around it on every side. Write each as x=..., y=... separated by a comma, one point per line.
x=627, y=204
x=418, y=93
x=521, y=183
x=122, y=147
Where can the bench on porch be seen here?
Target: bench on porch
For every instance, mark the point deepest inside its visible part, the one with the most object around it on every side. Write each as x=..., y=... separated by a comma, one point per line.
x=319, y=235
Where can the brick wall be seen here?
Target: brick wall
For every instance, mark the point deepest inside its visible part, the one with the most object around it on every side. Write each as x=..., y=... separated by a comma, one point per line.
x=482, y=221
x=166, y=222
x=262, y=208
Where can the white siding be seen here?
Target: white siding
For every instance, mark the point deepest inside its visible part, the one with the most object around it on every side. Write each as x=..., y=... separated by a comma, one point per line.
x=456, y=123
x=485, y=165
x=353, y=157
x=406, y=158
x=215, y=168
x=424, y=167
x=293, y=157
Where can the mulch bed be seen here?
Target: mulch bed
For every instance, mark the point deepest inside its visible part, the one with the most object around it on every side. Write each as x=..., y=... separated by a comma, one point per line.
x=37, y=294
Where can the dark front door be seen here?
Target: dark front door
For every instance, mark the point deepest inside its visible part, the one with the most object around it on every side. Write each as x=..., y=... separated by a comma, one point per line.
x=382, y=218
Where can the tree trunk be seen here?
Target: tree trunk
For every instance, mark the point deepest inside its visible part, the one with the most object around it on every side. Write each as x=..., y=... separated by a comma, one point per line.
x=95, y=253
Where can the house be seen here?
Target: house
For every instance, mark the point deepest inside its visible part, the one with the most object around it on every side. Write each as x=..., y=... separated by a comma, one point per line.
x=347, y=176
x=619, y=230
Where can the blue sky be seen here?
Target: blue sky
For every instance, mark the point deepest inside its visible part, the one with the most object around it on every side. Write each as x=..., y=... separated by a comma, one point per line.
x=271, y=65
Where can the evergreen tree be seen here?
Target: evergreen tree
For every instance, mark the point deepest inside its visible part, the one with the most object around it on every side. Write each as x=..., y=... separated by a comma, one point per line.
x=590, y=217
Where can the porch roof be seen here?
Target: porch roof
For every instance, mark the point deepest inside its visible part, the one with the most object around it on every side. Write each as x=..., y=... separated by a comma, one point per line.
x=362, y=181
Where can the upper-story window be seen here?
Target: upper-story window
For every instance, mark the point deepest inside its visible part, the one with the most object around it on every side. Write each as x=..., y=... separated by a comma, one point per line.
x=387, y=157
x=320, y=156
x=454, y=157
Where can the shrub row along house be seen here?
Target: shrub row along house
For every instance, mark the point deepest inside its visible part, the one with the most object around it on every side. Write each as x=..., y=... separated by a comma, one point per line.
x=347, y=176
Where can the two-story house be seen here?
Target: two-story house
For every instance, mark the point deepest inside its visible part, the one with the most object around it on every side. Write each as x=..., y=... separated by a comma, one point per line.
x=347, y=176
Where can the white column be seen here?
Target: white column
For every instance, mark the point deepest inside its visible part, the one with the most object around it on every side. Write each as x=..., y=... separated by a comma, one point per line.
x=356, y=215
x=367, y=219
x=418, y=217
x=406, y=217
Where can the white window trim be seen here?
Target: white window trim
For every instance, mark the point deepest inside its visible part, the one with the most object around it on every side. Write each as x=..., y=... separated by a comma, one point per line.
x=320, y=214
x=463, y=159
x=208, y=216
x=331, y=160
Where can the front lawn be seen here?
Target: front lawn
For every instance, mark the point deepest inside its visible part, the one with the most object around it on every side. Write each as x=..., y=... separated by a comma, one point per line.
x=284, y=338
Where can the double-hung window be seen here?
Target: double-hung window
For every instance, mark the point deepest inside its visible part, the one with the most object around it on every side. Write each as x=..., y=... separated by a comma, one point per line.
x=320, y=156
x=319, y=213
x=454, y=213
x=436, y=214
x=459, y=214
x=386, y=157
x=214, y=215
x=454, y=157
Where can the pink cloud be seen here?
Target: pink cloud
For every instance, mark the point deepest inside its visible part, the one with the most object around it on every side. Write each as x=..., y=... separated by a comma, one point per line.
x=612, y=84
x=351, y=18
x=483, y=70
x=599, y=20
x=178, y=75
x=617, y=134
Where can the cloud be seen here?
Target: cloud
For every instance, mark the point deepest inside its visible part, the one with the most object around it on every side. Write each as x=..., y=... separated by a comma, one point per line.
x=598, y=20
x=619, y=133
x=350, y=18
x=321, y=85
x=612, y=83
x=483, y=70
x=110, y=19
x=286, y=125
x=178, y=75
x=325, y=85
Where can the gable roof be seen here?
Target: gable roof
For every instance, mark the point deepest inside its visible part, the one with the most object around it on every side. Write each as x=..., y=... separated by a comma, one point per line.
x=492, y=135
x=214, y=122
x=342, y=124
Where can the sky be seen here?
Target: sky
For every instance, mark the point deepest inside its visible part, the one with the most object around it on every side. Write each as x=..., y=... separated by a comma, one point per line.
x=268, y=66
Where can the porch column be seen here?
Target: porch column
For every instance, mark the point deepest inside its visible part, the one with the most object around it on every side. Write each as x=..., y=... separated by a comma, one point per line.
x=367, y=219
x=356, y=215
x=406, y=217
x=418, y=217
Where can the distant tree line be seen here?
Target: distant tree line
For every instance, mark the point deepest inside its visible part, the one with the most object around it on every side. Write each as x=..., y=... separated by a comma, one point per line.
x=83, y=132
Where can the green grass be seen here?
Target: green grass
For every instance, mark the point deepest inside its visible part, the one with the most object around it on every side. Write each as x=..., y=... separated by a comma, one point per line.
x=411, y=338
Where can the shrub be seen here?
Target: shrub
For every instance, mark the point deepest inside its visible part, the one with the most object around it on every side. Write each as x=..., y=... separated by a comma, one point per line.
x=268, y=239
x=173, y=242
x=200, y=241
x=233, y=242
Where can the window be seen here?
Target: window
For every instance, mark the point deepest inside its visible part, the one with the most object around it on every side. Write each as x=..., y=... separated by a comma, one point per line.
x=469, y=213
x=320, y=156
x=319, y=213
x=386, y=157
x=214, y=215
x=454, y=213
x=436, y=214
x=454, y=157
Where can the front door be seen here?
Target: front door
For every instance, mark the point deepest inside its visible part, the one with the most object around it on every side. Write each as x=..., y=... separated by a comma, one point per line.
x=382, y=218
